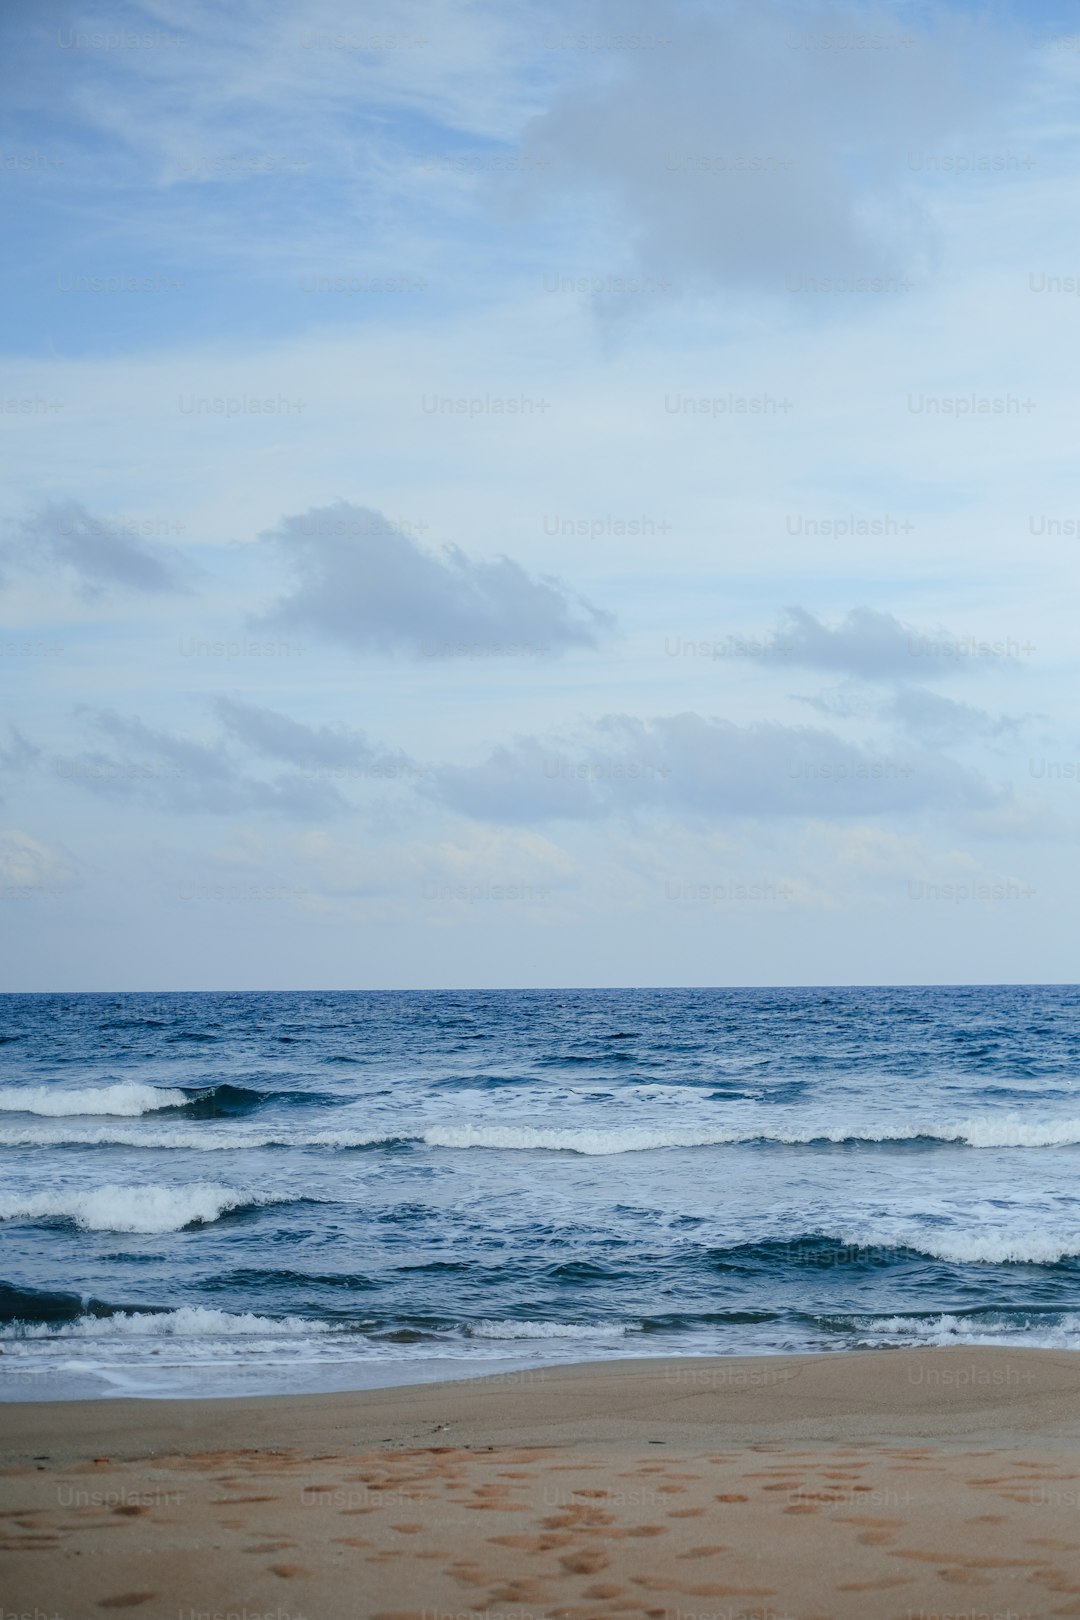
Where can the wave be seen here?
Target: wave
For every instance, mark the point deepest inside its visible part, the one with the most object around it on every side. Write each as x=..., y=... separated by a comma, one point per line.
x=870, y=1247
x=189, y=1321
x=46, y=1306
x=208, y=1140
x=133, y=1023
x=226, y=1101
x=897, y=1332
x=597, y=1141
x=992, y=1248
x=1004, y=1131
x=1010, y=1130
x=127, y=1098
x=147, y=1209
x=549, y=1330
x=222, y=1101
x=130, y=1099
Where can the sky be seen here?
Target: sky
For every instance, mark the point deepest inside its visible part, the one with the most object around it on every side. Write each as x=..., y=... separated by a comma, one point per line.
x=538, y=495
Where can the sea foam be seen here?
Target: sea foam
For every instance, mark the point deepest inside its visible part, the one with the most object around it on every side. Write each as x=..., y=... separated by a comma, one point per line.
x=113, y=1208
x=126, y=1098
x=989, y=1131
x=548, y=1330
x=190, y=1321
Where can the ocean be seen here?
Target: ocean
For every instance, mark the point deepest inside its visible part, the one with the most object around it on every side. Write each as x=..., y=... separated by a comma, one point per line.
x=217, y=1194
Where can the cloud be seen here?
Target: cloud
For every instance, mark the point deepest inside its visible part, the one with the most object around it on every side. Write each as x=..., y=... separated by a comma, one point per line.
x=365, y=583
x=21, y=752
x=875, y=646
x=707, y=767
x=101, y=552
x=524, y=781
x=844, y=702
x=742, y=150
x=177, y=774
x=277, y=736
x=479, y=872
x=942, y=721
x=868, y=644
x=926, y=716
x=28, y=866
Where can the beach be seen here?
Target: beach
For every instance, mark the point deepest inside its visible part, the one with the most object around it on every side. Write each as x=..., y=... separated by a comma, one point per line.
x=691, y=1305
x=917, y=1483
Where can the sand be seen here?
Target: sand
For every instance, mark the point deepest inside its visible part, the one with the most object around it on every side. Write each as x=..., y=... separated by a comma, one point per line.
x=914, y=1484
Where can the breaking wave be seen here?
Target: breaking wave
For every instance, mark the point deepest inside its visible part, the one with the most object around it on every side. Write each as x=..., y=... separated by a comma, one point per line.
x=113, y=1208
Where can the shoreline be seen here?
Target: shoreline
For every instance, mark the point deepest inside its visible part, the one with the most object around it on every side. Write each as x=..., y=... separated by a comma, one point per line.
x=940, y=1392
x=889, y=1483
x=163, y=1384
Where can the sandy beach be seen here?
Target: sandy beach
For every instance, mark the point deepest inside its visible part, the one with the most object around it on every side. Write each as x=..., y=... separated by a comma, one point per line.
x=915, y=1484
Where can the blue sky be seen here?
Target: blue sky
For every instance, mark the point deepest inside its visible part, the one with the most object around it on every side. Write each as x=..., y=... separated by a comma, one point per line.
x=538, y=495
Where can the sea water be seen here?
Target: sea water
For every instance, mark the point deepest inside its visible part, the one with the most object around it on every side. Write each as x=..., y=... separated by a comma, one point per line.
x=240, y=1193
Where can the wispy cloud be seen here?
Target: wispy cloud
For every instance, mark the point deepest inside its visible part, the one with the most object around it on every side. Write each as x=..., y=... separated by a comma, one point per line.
x=278, y=736
x=159, y=768
x=705, y=767
x=103, y=554
x=872, y=645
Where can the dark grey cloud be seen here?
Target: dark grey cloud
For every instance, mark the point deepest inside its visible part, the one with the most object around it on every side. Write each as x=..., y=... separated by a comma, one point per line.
x=743, y=150
x=278, y=736
x=101, y=552
x=710, y=767
x=366, y=583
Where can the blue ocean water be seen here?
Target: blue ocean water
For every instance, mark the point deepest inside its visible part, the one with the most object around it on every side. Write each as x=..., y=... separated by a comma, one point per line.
x=224, y=1193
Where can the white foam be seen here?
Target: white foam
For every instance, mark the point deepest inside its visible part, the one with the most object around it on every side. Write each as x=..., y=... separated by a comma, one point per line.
x=991, y=1131
x=1011, y=1130
x=594, y=1142
x=999, y=1248
x=190, y=1321
x=112, y=1208
x=945, y=1330
x=202, y=1138
x=127, y=1098
x=980, y=1247
x=547, y=1330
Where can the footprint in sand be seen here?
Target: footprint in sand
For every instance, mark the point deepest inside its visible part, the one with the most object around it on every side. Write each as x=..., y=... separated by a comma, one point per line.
x=587, y=1562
